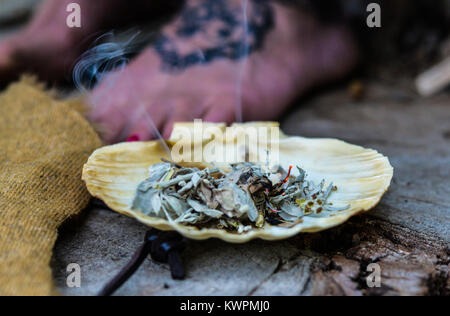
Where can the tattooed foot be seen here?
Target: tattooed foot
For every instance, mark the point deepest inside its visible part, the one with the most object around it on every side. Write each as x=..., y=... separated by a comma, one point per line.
x=201, y=67
x=208, y=31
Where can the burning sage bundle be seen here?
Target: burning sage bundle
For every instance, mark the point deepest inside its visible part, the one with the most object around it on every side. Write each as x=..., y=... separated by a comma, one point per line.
x=243, y=199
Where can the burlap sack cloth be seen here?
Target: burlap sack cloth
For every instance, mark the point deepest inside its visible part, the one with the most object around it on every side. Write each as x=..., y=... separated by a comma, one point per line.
x=43, y=146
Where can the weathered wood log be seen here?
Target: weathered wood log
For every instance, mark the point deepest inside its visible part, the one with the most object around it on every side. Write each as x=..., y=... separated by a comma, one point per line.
x=407, y=235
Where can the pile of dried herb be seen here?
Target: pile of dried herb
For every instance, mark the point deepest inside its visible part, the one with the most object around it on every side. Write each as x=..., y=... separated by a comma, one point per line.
x=238, y=201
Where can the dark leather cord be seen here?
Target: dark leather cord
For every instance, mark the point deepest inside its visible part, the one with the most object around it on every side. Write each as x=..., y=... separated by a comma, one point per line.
x=164, y=247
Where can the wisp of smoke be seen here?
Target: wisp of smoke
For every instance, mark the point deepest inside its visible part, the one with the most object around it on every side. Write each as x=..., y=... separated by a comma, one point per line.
x=245, y=52
x=109, y=54
x=113, y=53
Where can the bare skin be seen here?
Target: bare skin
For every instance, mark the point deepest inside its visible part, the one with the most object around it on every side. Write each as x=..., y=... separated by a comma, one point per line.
x=50, y=49
x=198, y=67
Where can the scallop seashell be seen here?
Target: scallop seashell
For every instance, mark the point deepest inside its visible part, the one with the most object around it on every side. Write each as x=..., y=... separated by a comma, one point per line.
x=362, y=175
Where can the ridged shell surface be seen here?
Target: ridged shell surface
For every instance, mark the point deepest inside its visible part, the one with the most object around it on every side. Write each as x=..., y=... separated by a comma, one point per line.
x=362, y=176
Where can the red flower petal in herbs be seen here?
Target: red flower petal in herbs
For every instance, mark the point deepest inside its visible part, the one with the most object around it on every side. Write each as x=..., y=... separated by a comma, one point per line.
x=288, y=175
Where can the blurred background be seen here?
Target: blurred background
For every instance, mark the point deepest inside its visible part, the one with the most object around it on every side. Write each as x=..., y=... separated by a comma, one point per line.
x=378, y=106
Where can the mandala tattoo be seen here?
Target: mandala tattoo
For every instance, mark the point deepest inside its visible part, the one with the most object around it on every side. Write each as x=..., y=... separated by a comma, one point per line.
x=228, y=34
